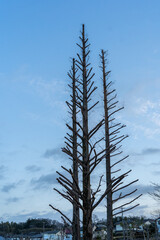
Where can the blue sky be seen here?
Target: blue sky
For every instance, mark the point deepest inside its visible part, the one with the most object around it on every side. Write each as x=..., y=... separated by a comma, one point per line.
x=38, y=38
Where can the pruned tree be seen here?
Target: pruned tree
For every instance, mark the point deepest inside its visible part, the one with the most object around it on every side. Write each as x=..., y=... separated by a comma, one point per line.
x=73, y=141
x=82, y=147
x=113, y=140
x=85, y=152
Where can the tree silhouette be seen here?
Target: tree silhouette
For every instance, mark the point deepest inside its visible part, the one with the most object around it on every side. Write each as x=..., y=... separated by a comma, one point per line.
x=113, y=140
x=81, y=146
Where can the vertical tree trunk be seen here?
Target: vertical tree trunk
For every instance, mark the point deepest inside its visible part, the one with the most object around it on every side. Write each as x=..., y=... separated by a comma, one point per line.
x=87, y=221
x=75, y=225
x=108, y=159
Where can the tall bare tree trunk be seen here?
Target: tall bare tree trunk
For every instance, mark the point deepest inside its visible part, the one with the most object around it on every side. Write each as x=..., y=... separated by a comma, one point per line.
x=112, y=148
x=87, y=221
x=108, y=158
x=75, y=222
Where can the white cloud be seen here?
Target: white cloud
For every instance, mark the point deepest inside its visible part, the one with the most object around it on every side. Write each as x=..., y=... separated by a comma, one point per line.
x=143, y=106
x=156, y=118
x=143, y=116
x=53, y=91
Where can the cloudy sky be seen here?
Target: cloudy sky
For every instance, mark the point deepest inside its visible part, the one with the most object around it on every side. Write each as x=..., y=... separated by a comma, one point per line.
x=38, y=39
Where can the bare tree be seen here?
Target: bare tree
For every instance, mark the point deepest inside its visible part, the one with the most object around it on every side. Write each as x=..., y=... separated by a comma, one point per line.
x=85, y=152
x=113, y=140
x=81, y=146
x=73, y=142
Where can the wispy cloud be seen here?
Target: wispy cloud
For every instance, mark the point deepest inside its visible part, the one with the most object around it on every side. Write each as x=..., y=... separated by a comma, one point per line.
x=143, y=114
x=2, y=171
x=156, y=118
x=143, y=106
x=44, y=181
x=33, y=168
x=8, y=187
x=148, y=151
x=33, y=116
x=53, y=152
x=2, y=168
x=156, y=173
x=13, y=200
x=151, y=151
x=51, y=91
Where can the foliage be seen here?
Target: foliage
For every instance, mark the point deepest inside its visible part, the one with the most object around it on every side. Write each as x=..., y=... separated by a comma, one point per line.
x=31, y=225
